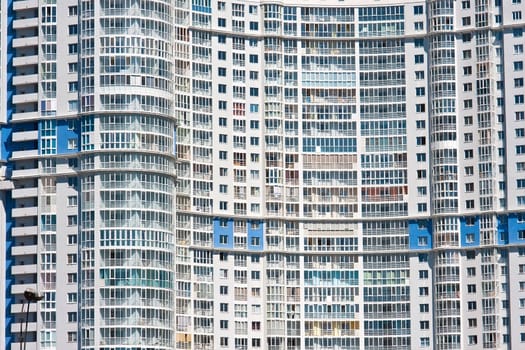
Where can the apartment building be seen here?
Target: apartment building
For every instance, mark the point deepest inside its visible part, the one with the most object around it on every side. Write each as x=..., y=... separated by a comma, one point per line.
x=262, y=175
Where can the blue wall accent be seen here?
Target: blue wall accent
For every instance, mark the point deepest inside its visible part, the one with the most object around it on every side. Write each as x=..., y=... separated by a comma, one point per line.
x=222, y=227
x=5, y=153
x=516, y=223
x=64, y=134
x=6, y=143
x=503, y=229
x=469, y=230
x=256, y=233
x=417, y=229
x=9, y=319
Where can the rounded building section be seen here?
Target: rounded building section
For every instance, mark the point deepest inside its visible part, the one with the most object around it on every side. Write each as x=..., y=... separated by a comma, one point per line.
x=127, y=205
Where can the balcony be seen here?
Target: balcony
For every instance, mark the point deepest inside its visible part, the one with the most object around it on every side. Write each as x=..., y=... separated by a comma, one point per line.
x=24, y=23
x=17, y=308
x=25, y=79
x=24, y=173
x=23, y=212
x=25, y=98
x=23, y=269
x=25, y=192
x=25, y=116
x=33, y=153
x=24, y=250
x=25, y=4
x=25, y=135
x=29, y=346
x=24, y=231
x=21, y=288
x=25, y=42
x=25, y=60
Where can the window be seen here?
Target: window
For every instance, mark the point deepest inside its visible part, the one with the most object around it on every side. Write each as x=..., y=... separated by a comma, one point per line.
x=420, y=75
x=222, y=88
x=423, y=291
x=224, y=324
x=223, y=307
x=73, y=10
x=467, y=70
x=71, y=239
x=421, y=191
x=471, y=288
x=72, y=220
x=254, y=91
x=71, y=278
x=419, y=59
x=419, y=43
x=254, y=108
x=424, y=324
x=471, y=271
x=469, y=204
x=72, y=317
x=222, y=71
x=465, y=4
x=467, y=54
x=418, y=10
x=72, y=48
x=516, y=15
x=468, y=120
x=471, y=305
x=418, y=25
x=71, y=337
x=424, y=308
x=223, y=290
x=420, y=124
x=221, y=55
x=421, y=140
x=468, y=137
x=472, y=322
x=423, y=274
x=223, y=205
x=469, y=154
x=467, y=87
x=518, y=65
x=421, y=174
x=223, y=138
x=518, y=82
x=223, y=188
x=421, y=157
x=467, y=104
x=422, y=207
x=472, y=339
x=223, y=105
x=518, y=49
x=422, y=241
x=72, y=258
x=256, y=275
x=469, y=170
x=72, y=297
x=424, y=342
x=224, y=341
x=73, y=29
x=254, y=58
x=469, y=187
x=519, y=99
x=223, y=155
x=420, y=91
x=420, y=107
x=72, y=67
x=221, y=39
x=254, y=75
x=221, y=22
x=223, y=121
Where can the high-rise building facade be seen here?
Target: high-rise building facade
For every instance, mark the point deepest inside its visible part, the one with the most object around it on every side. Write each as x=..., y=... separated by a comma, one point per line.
x=344, y=174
